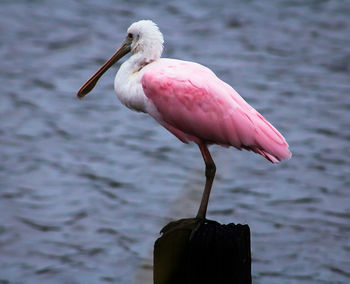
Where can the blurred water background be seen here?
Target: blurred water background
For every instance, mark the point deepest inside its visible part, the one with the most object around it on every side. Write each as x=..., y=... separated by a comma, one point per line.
x=85, y=186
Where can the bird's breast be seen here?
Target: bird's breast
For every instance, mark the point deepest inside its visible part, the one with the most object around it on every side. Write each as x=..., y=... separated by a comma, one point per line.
x=128, y=87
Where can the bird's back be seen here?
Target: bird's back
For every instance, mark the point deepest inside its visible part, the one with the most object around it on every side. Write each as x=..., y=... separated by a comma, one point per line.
x=192, y=103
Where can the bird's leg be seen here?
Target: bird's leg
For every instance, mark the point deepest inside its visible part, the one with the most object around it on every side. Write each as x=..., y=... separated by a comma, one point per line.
x=210, y=170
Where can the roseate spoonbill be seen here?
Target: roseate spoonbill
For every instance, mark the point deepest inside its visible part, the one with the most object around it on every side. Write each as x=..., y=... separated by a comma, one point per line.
x=188, y=100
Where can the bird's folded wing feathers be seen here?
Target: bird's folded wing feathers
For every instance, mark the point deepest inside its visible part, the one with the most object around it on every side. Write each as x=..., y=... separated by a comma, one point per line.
x=190, y=99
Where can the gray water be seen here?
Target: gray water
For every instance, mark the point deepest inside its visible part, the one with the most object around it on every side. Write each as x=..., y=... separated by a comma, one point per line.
x=85, y=186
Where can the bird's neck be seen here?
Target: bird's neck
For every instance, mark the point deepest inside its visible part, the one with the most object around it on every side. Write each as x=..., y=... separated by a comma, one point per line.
x=139, y=60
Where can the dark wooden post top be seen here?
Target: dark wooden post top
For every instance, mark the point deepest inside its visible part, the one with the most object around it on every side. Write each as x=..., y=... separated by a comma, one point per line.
x=202, y=251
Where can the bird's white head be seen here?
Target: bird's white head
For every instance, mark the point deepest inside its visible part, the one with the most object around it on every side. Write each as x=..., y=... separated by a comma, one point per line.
x=143, y=40
x=146, y=39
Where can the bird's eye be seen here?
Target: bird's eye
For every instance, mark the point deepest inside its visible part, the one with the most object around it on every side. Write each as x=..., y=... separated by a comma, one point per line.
x=130, y=36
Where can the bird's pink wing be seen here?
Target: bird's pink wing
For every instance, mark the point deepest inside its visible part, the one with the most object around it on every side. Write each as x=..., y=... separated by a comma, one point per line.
x=192, y=103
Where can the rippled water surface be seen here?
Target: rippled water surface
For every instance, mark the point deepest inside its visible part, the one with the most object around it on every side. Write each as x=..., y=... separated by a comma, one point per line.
x=85, y=186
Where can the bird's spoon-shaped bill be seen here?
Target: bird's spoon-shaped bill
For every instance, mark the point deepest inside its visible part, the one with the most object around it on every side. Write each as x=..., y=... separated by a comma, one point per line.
x=90, y=84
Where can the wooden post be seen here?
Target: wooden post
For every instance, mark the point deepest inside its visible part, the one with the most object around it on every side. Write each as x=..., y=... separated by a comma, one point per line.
x=194, y=250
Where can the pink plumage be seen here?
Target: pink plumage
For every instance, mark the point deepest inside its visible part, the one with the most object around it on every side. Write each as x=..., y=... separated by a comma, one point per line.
x=195, y=105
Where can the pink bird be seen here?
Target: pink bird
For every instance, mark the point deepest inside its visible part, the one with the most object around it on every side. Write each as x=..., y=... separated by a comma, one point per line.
x=189, y=101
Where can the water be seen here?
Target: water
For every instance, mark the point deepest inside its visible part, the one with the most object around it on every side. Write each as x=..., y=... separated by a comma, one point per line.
x=87, y=185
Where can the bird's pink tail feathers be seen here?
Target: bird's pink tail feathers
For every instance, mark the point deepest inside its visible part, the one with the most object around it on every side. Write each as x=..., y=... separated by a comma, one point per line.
x=269, y=142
